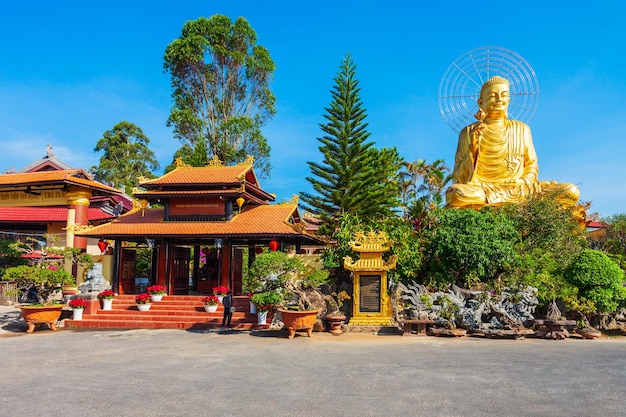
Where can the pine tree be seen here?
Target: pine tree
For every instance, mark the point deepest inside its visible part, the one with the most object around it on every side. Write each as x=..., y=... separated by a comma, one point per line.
x=351, y=177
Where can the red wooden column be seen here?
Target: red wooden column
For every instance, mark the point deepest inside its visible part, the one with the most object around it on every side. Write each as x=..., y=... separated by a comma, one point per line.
x=77, y=215
x=225, y=265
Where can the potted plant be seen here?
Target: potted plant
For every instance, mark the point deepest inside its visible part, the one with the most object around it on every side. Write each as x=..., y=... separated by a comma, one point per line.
x=220, y=291
x=335, y=318
x=265, y=302
x=39, y=283
x=156, y=292
x=78, y=306
x=143, y=301
x=252, y=306
x=210, y=303
x=106, y=297
x=297, y=286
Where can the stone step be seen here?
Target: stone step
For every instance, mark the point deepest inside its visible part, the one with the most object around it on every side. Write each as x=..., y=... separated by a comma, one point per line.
x=147, y=324
x=173, y=312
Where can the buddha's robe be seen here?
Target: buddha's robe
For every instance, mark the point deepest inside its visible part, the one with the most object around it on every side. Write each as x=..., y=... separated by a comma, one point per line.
x=503, y=169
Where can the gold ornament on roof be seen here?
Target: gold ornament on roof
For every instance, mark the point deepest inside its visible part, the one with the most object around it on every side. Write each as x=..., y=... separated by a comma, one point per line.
x=370, y=242
x=180, y=163
x=294, y=200
x=371, y=246
x=140, y=205
x=73, y=228
x=215, y=162
x=248, y=162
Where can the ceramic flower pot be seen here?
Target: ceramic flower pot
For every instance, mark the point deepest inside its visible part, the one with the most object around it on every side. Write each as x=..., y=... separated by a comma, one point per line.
x=210, y=308
x=335, y=323
x=77, y=313
x=252, y=309
x=107, y=303
x=299, y=320
x=156, y=297
x=261, y=317
x=144, y=307
x=41, y=314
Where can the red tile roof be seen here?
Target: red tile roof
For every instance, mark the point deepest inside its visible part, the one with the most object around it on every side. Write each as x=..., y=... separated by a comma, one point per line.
x=45, y=214
x=183, y=193
x=201, y=175
x=595, y=224
x=254, y=221
x=76, y=177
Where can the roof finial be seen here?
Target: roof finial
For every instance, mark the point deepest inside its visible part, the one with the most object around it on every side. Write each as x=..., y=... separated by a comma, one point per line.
x=215, y=162
x=49, y=151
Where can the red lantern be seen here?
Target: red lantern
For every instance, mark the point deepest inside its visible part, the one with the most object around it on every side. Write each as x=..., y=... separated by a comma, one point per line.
x=273, y=245
x=102, y=245
x=258, y=250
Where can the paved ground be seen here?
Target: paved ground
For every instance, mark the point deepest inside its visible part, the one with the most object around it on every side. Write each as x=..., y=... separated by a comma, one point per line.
x=184, y=373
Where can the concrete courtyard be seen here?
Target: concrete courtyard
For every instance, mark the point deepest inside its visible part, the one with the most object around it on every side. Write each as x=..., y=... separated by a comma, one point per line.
x=213, y=373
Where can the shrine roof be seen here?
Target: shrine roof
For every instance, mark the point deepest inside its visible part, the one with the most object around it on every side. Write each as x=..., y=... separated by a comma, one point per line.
x=207, y=180
x=254, y=221
x=184, y=193
x=207, y=175
x=76, y=177
x=46, y=214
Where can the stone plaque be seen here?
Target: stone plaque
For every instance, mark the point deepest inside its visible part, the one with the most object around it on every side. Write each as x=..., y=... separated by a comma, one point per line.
x=369, y=294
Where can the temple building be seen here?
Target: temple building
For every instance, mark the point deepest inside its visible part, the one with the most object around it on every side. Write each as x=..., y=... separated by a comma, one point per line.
x=49, y=198
x=205, y=224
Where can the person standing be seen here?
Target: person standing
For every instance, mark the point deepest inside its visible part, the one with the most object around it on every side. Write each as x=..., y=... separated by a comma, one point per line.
x=227, y=302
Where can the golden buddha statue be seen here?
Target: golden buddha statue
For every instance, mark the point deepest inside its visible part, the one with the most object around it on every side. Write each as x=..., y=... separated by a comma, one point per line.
x=495, y=160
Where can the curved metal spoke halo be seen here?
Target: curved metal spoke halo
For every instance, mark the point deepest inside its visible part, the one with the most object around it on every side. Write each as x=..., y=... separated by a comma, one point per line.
x=460, y=85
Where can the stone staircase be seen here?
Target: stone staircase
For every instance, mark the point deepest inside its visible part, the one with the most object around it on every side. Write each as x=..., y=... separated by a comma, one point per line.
x=173, y=312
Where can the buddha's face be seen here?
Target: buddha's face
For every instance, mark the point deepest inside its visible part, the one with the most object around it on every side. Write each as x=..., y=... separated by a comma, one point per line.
x=495, y=98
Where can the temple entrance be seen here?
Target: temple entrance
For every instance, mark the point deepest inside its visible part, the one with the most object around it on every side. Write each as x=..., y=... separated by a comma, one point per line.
x=128, y=264
x=180, y=270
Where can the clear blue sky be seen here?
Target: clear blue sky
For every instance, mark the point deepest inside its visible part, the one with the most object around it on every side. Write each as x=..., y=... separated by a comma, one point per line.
x=71, y=70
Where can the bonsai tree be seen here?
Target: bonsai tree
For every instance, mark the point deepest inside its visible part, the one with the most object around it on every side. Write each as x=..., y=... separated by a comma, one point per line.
x=286, y=275
x=40, y=280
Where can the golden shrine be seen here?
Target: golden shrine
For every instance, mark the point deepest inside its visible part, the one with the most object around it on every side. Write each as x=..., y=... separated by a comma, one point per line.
x=371, y=303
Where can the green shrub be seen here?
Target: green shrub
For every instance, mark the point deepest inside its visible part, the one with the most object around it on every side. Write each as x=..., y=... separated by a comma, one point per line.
x=265, y=301
x=598, y=279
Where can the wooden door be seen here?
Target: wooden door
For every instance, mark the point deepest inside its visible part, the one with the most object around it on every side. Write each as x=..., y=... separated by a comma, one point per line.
x=127, y=272
x=180, y=270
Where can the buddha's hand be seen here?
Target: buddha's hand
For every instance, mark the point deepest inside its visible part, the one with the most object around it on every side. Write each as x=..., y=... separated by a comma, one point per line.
x=519, y=182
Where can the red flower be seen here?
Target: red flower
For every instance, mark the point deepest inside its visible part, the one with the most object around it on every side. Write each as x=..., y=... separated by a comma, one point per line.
x=156, y=289
x=143, y=298
x=210, y=300
x=220, y=290
x=106, y=294
x=78, y=303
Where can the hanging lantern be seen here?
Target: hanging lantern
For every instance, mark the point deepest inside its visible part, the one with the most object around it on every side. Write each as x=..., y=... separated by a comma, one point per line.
x=240, y=201
x=258, y=250
x=273, y=245
x=102, y=245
